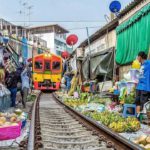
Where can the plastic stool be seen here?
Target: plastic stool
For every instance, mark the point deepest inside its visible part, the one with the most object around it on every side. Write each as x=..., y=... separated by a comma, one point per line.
x=125, y=109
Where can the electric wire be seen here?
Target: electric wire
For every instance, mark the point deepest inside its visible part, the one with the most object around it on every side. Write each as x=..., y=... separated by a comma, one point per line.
x=61, y=21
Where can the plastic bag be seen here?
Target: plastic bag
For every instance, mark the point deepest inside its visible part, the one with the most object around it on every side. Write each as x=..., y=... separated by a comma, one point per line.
x=1, y=91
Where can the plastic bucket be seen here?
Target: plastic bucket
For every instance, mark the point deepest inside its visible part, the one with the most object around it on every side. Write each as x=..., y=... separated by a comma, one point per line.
x=134, y=75
x=122, y=85
x=130, y=86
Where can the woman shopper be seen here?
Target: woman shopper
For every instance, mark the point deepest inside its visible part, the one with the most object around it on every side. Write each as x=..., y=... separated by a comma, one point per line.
x=11, y=83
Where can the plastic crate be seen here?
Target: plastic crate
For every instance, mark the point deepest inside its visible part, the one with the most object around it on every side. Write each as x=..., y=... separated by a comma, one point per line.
x=12, y=132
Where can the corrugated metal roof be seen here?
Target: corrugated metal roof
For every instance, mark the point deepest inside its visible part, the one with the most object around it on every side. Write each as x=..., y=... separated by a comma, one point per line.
x=130, y=6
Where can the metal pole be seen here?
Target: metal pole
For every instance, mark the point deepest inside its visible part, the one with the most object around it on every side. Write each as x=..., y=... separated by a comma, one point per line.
x=72, y=47
x=89, y=45
x=1, y=24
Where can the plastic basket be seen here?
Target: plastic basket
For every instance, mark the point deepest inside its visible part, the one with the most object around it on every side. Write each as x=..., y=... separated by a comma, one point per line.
x=134, y=75
x=122, y=85
x=12, y=132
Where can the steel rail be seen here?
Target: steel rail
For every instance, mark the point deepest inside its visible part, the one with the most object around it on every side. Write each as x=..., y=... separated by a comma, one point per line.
x=119, y=142
x=31, y=139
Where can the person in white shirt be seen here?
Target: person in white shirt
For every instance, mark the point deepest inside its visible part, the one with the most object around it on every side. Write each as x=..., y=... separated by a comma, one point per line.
x=25, y=78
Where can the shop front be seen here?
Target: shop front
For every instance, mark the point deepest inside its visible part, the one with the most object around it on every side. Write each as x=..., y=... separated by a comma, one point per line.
x=98, y=68
x=132, y=40
x=133, y=36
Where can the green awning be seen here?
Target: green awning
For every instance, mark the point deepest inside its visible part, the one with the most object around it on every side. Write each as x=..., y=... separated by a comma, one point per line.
x=133, y=36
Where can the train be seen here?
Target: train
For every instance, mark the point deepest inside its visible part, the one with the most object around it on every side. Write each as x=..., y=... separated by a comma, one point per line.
x=47, y=72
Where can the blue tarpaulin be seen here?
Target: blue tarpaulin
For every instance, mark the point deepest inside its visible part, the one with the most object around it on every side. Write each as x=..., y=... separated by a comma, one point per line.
x=24, y=48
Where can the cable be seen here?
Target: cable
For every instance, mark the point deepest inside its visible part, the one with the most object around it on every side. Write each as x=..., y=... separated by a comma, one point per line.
x=69, y=21
x=84, y=28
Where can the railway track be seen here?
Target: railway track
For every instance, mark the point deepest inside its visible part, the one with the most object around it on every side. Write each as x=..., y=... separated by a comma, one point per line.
x=55, y=126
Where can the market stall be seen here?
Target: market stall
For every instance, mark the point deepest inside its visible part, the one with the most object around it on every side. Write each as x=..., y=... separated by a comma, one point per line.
x=98, y=67
x=15, y=124
x=119, y=116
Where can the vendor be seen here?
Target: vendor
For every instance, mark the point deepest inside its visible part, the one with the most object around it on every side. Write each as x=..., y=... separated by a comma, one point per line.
x=143, y=87
x=2, y=74
x=11, y=80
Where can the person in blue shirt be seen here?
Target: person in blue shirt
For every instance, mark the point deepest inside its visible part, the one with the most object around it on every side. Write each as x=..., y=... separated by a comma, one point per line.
x=143, y=86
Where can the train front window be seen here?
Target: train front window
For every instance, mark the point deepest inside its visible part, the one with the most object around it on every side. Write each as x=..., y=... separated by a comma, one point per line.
x=47, y=65
x=38, y=65
x=56, y=65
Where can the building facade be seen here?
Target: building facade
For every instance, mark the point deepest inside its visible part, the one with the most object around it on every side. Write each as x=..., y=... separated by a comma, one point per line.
x=55, y=36
x=102, y=43
x=102, y=39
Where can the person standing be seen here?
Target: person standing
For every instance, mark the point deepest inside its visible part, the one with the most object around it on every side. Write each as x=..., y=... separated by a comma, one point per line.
x=143, y=87
x=11, y=83
x=25, y=78
x=68, y=79
x=19, y=85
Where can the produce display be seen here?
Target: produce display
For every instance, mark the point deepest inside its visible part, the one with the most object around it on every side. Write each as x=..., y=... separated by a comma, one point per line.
x=108, y=113
x=11, y=119
x=85, y=99
x=115, y=121
x=31, y=97
x=8, y=120
x=143, y=141
x=127, y=98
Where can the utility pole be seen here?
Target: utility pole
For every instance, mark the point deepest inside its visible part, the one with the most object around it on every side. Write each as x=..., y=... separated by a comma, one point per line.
x=89, y=45
x=29, y=13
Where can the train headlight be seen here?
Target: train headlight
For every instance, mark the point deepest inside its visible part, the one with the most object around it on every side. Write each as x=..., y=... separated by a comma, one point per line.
x=46, y=55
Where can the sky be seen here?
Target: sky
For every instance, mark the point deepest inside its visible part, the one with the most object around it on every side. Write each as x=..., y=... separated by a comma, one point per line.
x=74, y=15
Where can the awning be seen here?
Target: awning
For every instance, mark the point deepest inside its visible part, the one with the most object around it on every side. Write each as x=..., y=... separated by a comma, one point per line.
x=101, y=63
x=133, y=36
